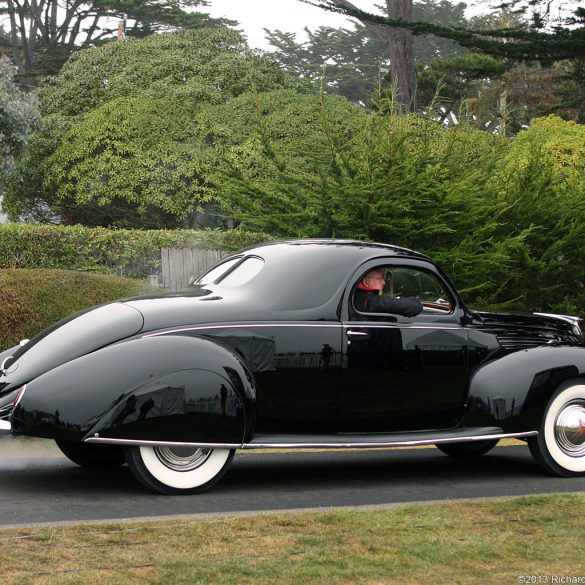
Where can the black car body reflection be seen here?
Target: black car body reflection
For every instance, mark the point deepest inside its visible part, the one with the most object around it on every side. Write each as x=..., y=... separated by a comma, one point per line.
x=268, y=350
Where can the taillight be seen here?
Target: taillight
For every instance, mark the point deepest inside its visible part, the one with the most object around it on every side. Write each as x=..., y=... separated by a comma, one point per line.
x=18, y=396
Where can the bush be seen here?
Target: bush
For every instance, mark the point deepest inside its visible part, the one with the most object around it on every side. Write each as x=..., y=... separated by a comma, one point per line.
x=119, y=146
x=131, y=253
x=30, y=300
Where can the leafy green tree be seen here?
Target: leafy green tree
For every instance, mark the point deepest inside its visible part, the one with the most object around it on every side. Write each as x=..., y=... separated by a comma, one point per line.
x=497, y=213
x=204, y=65
x=119, y=146
x=353, y=174
x=276, y=159
x=44, y=33
x=19, y=116
x=132, y=162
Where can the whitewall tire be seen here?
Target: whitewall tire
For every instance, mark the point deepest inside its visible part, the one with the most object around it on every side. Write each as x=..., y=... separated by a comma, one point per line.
x=560, y=444
x=177, y=470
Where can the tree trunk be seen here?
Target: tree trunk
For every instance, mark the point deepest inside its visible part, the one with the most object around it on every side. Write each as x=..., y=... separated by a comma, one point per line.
x=400, y=46
x=401, y=50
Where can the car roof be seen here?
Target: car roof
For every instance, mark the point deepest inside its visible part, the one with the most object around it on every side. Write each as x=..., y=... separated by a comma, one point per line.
x=310, y=272
x=300, y=280
x=326, y=247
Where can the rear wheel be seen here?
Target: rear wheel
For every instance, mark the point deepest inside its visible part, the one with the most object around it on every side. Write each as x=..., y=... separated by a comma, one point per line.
x=92, y=455
x=560, y=445
x=469, y=449
x=177, y=470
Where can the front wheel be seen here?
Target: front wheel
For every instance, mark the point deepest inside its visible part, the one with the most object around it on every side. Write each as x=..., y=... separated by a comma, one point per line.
x=177, y=470
x=469, y=449
x=560, y=445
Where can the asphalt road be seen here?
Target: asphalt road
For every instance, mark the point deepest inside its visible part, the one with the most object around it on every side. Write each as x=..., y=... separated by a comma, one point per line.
x=38, y=485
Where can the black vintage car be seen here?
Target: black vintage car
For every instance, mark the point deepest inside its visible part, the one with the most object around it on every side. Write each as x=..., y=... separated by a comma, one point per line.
x=268, y=349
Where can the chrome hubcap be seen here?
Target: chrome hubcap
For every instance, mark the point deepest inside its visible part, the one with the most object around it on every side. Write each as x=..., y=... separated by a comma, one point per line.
x=182, y=458
x=570, y=429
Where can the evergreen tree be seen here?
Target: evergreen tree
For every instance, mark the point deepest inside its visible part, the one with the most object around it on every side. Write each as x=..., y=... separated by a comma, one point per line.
x=531, y=42
x=43, y=33
x=354, y=62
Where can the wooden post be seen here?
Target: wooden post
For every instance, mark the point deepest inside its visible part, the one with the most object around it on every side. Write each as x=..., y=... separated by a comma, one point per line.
x=122, y=28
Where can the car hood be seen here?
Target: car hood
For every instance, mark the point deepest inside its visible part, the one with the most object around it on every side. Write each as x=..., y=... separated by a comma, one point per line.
x=518, y=331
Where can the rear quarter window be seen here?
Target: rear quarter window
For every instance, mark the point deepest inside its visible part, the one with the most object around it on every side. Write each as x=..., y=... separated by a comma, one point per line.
x=243, y=272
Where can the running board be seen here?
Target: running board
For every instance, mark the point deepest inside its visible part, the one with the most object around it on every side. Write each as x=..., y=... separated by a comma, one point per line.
x=369, y=441
x=339, y=441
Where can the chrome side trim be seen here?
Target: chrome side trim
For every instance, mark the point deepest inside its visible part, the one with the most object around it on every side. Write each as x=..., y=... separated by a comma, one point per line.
x=319, y=324
x=311, y=445
x=373, y=445
x=132, y=442
x=239, y=326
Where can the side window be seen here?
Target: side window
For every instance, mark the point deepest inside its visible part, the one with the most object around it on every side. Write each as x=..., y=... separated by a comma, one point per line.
x=409, y=282
x=399, y=290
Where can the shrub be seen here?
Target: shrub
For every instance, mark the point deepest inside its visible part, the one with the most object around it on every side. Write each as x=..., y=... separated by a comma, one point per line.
x=30, y=300
x=132, y=253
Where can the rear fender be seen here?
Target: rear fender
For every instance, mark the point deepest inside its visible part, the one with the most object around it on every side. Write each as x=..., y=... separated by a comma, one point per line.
x=191, y=406
x=512, y=392
x=156, y=388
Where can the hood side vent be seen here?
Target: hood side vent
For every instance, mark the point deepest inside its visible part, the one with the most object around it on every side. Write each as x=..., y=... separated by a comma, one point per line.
x=516, y=342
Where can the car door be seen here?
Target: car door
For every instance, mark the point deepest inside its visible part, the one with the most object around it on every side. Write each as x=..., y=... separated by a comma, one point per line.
x=404, y=373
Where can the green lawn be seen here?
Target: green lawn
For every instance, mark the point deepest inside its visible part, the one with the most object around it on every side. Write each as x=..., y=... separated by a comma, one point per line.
x=480, y=542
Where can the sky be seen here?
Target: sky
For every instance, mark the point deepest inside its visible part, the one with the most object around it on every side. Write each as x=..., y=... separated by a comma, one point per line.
x=286, y=15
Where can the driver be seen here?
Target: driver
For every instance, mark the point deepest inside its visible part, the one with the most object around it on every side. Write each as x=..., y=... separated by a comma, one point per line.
x=366, y=297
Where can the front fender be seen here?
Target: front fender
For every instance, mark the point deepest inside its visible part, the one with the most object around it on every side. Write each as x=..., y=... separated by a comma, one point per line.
x=512, y=392
x=158, y=388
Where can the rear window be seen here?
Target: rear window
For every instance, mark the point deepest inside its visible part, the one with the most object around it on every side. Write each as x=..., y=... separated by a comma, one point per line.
x=243, y=272
x=217, y=272
x=233, y=272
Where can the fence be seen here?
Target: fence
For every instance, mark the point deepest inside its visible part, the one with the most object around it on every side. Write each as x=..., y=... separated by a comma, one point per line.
x=178, y=265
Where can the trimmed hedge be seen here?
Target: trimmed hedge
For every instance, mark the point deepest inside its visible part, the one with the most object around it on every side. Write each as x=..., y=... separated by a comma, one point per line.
x=31, y=300
x=131, y=253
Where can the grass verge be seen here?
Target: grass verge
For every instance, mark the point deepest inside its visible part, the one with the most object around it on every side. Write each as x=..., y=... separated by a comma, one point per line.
x=482, y=542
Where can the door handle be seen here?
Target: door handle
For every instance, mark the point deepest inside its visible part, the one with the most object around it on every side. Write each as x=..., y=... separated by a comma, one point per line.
x=351, y=333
